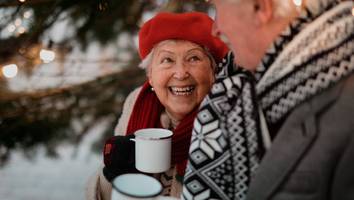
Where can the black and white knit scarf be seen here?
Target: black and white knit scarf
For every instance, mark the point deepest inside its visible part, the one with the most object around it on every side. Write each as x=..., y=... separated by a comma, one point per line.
x=230, y=132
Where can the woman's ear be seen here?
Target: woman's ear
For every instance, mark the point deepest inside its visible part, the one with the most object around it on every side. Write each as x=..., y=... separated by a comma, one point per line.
x=264, y=10
x=150, y=82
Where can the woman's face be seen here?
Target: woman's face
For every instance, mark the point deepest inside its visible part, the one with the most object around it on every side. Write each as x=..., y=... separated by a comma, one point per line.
x=181, y=74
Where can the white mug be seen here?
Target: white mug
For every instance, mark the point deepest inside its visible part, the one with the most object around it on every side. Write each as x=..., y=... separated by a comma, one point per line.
x=135, y=187
x=153, y=150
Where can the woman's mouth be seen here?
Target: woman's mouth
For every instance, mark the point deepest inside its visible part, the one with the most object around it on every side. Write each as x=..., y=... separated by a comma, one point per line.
x=182, y=91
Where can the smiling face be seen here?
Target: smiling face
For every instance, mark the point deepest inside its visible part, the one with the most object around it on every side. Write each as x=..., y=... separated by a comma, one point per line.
x=181, y=74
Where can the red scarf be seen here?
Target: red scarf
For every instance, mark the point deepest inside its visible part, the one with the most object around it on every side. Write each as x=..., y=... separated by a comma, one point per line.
x=146, y=114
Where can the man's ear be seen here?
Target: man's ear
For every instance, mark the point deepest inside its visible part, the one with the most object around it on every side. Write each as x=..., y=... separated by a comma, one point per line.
x=264, y=10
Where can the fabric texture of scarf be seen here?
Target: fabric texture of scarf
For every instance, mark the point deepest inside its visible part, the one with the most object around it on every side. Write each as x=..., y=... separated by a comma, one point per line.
x=229, y=137
x=146, y=114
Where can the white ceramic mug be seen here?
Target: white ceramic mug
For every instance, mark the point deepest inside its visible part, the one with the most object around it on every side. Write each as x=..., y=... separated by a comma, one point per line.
x=153, y=150
x=135, y=187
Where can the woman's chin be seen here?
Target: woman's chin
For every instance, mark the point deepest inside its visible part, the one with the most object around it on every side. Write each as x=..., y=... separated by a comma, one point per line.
x=179, y=113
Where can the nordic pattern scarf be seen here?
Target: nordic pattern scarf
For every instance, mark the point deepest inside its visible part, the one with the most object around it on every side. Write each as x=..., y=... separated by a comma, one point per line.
x=146, y=114
x=229, y=135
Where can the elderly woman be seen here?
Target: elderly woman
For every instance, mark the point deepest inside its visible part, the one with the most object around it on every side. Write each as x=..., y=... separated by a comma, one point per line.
x=286, y=130
x=179, y=55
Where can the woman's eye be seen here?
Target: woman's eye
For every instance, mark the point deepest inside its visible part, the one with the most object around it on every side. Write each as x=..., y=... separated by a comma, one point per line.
x=194, y=58
x=166, y=60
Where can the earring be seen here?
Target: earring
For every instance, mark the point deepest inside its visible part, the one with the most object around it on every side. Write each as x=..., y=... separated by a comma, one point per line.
x=152, y=89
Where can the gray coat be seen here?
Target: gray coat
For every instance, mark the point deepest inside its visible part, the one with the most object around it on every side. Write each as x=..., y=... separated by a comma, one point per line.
x=312, y=156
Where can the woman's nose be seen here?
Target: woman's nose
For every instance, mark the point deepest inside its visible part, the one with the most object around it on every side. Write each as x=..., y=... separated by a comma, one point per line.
x=181, y=72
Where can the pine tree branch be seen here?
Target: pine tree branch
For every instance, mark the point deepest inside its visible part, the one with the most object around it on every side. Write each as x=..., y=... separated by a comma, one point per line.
x=28, y=2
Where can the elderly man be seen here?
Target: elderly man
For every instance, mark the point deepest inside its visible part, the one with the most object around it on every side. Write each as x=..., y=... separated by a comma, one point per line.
x=281, y=126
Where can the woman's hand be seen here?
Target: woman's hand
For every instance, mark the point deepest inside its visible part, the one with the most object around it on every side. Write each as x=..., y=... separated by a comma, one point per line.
x=119, y=156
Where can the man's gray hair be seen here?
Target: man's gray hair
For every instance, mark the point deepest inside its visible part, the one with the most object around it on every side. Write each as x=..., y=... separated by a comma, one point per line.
x=282, y=7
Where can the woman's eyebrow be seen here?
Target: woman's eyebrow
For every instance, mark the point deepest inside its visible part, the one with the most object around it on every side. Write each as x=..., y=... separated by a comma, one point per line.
x=164, y=51
x=197, y=49
x=171, y=52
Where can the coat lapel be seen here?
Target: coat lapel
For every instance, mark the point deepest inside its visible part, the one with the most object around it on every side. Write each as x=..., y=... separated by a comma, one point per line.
x=289, y=146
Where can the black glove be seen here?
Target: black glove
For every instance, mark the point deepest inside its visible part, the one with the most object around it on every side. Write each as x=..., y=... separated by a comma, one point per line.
x=119, y=156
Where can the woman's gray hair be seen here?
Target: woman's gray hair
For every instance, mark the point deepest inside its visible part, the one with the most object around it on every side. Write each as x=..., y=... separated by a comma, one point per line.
x=146, y=62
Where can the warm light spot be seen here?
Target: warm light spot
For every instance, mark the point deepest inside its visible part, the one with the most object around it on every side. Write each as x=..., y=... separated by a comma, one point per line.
x=47, y=56
x=27, y=14
x=22, y=50
x=21, y=30
x=10, y=70
x=353, y=11
x=22, y=1
x=297, y=2
x=18, y=22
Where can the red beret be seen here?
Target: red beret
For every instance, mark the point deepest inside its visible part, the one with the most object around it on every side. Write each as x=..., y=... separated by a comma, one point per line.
x=191, y=26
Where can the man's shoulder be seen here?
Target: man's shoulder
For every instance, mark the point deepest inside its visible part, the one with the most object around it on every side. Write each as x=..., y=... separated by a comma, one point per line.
x=339, y=111
x=333, y=107
x=343, y=92
x=348, y=87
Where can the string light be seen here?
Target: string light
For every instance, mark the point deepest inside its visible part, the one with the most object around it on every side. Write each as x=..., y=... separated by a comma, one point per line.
x=11, y=28
x=47, y=56
x=22, y=1
x=21, y=30
x=10, y=70
x=18, y=22
x=27, y=14
x=297, y=2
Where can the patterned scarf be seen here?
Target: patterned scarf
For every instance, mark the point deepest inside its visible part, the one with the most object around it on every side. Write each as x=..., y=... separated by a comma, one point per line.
x=146, y=114
x=230, y=133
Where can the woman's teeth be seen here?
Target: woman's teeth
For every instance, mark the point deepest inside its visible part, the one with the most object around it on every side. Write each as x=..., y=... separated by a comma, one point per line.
x=183, y=91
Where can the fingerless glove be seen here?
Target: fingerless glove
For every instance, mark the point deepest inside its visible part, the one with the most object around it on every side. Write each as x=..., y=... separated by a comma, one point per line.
x=119, y=156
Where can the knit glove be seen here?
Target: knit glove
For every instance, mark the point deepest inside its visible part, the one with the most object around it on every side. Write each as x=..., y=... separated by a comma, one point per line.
x=119, y=156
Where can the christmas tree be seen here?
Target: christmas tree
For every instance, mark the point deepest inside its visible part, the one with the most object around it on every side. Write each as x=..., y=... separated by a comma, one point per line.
x=37, y=35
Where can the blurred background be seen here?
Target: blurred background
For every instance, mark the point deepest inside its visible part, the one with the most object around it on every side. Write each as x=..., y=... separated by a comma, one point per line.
x=66, y=67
